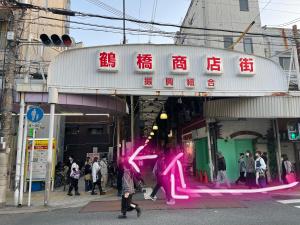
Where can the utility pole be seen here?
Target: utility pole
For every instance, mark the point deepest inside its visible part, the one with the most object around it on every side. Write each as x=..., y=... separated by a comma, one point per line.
x=297, y=53
x=297, y=41
x=124, y=33
x=14, y=29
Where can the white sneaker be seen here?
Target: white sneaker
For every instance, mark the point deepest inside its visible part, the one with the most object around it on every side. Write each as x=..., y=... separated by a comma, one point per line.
x=171, y=202
x=153, y=198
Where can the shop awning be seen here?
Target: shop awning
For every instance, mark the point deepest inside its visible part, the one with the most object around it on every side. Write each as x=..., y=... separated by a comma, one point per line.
x=261, y=107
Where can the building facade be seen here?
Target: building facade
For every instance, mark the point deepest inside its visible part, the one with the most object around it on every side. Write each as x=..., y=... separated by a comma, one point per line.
x=219, y=24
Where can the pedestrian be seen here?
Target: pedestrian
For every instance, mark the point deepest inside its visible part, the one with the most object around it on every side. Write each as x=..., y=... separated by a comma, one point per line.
x=286, y=168
x=96, y=175
x=242, y=169
x=74, y=176
x=88, y=175
x=265, y=158
x=161, y=180
x=104, y=172
x=260, y=168
x=250, y=170
x=221, y=166
x=128, y=192
x=65, y=174
x=120, y=172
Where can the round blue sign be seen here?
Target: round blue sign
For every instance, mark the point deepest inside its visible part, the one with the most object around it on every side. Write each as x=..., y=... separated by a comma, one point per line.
x=35, y=114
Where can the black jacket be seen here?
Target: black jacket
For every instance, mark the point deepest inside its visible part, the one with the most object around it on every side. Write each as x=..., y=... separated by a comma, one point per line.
x=221, y=164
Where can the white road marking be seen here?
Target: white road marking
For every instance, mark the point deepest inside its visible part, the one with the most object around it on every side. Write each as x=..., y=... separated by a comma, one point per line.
x=290, y=201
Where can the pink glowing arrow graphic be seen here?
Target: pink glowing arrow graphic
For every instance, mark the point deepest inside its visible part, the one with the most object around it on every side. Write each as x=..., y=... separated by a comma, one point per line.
x=183, y=188
x=240, y=191
x=135, y=156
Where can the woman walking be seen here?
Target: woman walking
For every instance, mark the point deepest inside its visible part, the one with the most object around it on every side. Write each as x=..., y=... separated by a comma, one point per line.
x=74, y=177
x=127, y=193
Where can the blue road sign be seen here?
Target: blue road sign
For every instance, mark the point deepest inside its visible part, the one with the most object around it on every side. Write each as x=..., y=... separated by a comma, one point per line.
x=35, y=114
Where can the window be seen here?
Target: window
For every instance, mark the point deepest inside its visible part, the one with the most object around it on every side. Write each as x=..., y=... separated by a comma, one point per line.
x=244, y=5
x=248, y=45
x=95, y=131
x=285, y=63
x=228, y=41
x=72, y=130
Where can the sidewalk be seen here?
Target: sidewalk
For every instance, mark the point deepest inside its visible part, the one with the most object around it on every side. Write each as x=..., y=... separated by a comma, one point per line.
x=58, y=200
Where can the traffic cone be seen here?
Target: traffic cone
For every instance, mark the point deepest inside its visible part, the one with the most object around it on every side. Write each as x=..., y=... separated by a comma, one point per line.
x=200, y=176
x=205, y=178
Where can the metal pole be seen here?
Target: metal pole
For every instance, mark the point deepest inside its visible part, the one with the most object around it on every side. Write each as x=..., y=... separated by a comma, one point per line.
x=278, y=150
x=124, y=33
x=123, y=148
x=209, y=152
x=118, y=138
x=23, y=159
x=19, y=150
x=49, y=160
x=31, y=167
x=132, y=120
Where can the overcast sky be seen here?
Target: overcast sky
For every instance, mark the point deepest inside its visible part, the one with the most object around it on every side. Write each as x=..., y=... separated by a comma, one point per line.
x=168, y=11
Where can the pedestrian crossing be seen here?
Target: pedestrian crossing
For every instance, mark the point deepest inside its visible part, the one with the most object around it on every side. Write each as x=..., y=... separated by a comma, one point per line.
x=291, y=202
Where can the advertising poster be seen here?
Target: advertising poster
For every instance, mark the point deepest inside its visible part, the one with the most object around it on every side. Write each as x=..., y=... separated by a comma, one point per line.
x=39, y=158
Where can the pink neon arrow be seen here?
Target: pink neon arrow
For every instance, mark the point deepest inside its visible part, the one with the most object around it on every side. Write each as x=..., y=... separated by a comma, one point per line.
x=241, y=191
x=173, y=191
x=135, y=156
x=169, y=167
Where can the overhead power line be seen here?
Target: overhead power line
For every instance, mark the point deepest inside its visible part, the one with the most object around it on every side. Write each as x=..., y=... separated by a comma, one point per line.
x=174, y=34
x=76, y=13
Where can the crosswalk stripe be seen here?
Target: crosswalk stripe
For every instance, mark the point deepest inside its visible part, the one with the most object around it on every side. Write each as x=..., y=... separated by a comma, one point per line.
x=290, y=201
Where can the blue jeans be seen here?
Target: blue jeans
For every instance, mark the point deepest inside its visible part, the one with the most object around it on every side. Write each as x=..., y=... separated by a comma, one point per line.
x=88, y=185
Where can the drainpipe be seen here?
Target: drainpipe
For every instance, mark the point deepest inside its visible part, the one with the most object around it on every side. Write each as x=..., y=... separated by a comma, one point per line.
x=211, y=172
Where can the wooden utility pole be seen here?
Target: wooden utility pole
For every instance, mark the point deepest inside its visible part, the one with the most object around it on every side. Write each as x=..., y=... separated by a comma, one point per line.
x=297, y=41
x=14, y=30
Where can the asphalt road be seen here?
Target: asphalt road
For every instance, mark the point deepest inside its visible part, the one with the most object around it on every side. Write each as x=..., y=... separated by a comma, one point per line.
x=267, y=212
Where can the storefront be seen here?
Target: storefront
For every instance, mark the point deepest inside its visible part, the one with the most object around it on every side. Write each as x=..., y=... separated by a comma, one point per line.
x=256, y=124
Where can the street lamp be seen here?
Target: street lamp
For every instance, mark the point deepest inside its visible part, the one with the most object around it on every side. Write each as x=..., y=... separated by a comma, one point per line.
x=149, y=137
x=152, y=133
x=155, y=127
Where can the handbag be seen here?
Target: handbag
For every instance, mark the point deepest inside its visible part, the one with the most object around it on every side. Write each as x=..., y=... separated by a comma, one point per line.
x=290, y=178
x=88, y=177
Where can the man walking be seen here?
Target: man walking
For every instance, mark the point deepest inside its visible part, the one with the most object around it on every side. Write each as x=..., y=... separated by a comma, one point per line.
x=96, y=174
x=242, y=169
x=221, y=176
x=158, y=169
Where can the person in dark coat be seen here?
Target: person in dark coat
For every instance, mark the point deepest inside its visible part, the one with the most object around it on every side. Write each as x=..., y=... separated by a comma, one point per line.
x=221, y=176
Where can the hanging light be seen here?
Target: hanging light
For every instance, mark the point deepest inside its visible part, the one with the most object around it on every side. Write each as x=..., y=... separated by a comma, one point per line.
x=163, y=115
x=152, y=133
x=155, y=127
x=149, y=137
